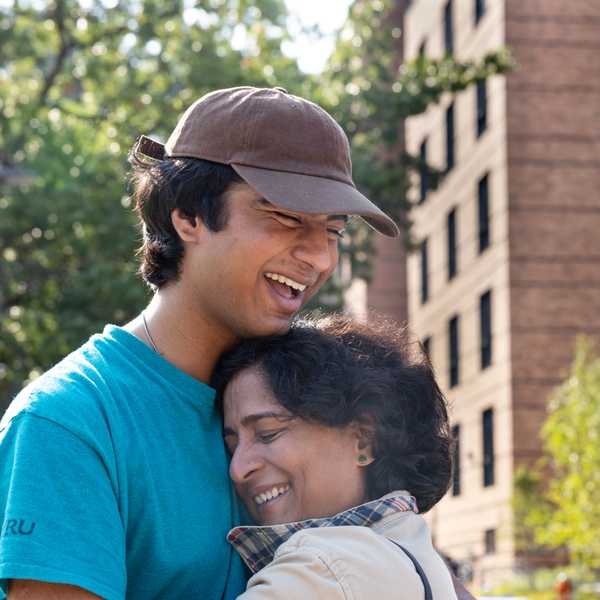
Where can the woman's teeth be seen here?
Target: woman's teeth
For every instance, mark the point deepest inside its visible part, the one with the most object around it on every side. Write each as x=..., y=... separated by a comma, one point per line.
x=270, y=494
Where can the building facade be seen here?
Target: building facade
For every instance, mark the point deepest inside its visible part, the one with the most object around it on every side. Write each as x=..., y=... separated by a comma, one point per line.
x=507, y=272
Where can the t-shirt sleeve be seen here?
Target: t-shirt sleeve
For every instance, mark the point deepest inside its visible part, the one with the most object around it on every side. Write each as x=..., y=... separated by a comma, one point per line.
x=58, y=509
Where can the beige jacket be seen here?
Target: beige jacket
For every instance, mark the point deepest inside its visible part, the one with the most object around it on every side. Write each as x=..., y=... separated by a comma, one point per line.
x=351, y=562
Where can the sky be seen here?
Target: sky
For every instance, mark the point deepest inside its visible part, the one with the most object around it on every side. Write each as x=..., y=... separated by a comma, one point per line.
x=329, y=15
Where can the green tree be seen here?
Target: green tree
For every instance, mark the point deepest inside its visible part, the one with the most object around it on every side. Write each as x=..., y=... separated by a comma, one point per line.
x=81, y=79
x=559, y=500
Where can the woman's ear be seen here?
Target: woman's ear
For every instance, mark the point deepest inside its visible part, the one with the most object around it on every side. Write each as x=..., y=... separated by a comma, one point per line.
x=189, y=229
x=364, y=432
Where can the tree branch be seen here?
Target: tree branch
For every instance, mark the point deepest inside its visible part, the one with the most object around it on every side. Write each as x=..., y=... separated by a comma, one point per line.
x=66, y=46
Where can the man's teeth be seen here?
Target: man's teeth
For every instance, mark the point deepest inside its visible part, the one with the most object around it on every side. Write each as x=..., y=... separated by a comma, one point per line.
x=270, y=494
x=283, y=279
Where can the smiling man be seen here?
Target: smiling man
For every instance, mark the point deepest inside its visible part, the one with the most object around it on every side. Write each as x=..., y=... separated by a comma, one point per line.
x=113, y=474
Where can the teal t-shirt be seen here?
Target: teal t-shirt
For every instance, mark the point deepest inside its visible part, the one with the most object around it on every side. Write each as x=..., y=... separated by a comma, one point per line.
x=113, y=477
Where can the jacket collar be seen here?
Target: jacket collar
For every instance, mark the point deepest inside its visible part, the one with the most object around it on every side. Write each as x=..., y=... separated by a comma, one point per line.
x=257, y=544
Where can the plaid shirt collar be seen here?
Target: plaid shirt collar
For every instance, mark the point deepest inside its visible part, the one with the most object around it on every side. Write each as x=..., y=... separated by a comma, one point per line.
x=257, y=544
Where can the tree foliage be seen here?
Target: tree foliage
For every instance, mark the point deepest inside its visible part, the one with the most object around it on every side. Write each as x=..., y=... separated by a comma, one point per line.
x=559, y=500
x=81, y=79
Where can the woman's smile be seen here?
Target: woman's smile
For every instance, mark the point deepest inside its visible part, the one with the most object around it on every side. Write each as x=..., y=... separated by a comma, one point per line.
x=272, y=493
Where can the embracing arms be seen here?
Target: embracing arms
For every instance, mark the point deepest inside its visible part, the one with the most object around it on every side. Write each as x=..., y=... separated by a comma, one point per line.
x=26, y=589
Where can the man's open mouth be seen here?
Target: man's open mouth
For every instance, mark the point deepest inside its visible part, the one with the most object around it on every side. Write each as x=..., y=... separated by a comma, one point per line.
x=288, y=288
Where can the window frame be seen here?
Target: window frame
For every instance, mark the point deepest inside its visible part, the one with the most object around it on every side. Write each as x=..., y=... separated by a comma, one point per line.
x=450, y=138
x=456, y=474
x=485, y=330
x=448, y=29
x=454, y=351
x=488, y=461
x=423, y=171
x=424, y=270
x=489, y=542
x=479, y=10
x=452, y=262
x=481, y=96
x=483, y=213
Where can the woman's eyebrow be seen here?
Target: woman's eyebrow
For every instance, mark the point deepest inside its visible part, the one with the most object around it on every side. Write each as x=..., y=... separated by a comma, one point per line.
x=271, y=414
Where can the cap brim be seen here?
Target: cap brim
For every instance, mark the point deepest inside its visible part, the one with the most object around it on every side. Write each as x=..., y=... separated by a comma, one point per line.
x=310, y=194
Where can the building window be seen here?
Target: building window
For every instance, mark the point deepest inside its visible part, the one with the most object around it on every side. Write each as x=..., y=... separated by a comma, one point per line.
x=427, y=347
x=481, y=107
x=423, y=49
x=485, y=329
x=450, y=137
x=484, y=213
x=488, y=447
x=490, y=541
x=423, y=172
x=424, y=272
x=479, y=10
x=451, y=238
x=448, y=29
x=456, y=460
x=453, y=355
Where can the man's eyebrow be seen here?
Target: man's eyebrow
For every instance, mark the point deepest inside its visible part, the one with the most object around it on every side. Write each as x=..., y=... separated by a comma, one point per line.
x=344, y=218
x=251, y=419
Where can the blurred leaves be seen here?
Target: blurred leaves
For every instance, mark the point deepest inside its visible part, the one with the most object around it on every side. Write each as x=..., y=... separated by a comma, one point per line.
x=565, y=511
x=79, y=81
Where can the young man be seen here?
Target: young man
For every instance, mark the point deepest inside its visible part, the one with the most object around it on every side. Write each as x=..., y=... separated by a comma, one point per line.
x=113, y=475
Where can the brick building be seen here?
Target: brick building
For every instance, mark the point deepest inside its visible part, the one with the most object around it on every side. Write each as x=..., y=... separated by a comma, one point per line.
x=507, y=273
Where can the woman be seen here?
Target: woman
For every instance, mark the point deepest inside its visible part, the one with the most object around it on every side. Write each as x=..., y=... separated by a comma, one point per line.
x=337, y=433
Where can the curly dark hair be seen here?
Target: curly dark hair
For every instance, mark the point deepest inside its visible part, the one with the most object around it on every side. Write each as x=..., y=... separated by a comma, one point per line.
x=195, y=186
x=336, y=371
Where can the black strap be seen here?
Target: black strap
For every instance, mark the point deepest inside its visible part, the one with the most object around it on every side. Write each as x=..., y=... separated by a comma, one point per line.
x=419, y=569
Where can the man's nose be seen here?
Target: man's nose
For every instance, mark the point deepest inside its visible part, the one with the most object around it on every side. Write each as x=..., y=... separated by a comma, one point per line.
x=243, y=464
x=316, y=249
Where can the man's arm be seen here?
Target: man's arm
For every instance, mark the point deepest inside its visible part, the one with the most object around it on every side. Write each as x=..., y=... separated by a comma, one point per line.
x=26, y=589
x=62, y=521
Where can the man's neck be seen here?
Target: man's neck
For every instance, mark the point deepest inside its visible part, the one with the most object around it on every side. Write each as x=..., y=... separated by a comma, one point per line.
x=181, y=334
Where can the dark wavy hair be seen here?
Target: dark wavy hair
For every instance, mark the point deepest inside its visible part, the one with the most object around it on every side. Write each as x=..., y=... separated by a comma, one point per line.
x=197, y=187
x=336, y=371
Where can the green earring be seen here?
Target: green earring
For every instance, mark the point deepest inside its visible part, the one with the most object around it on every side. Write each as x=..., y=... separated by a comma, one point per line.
x=362, y=458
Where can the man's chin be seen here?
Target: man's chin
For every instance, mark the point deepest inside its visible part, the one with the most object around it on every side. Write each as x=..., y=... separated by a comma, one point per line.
x=275, y=326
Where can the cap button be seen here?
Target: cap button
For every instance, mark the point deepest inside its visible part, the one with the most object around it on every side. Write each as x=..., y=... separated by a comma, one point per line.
x=280, y=89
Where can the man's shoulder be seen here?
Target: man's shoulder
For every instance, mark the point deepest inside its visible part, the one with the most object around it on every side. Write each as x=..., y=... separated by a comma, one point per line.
x=76, y=385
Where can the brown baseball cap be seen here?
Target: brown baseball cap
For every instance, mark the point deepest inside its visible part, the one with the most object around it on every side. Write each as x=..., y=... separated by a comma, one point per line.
x=287, y=148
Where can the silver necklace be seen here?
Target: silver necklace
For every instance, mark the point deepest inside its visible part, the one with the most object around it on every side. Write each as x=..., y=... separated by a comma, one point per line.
x=148, y=333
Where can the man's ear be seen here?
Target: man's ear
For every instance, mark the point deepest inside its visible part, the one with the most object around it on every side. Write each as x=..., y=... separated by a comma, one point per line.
x=189, y=229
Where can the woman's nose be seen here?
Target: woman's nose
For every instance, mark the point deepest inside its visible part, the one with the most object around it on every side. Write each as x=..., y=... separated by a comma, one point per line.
x=244, y=463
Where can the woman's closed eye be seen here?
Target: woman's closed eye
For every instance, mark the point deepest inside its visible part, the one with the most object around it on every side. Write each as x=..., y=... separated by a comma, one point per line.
x=268, y=436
